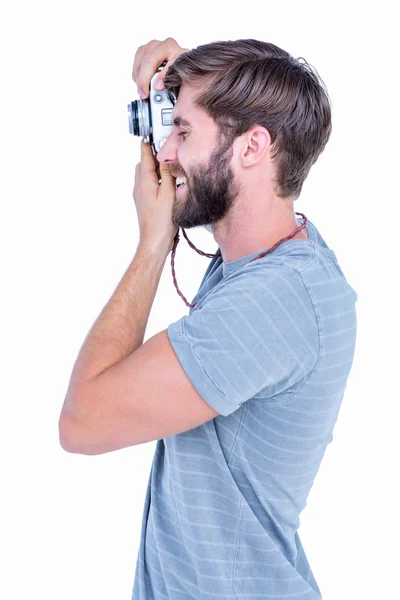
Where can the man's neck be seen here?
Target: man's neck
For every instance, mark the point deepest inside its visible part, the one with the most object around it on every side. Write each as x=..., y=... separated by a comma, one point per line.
x=240, y=239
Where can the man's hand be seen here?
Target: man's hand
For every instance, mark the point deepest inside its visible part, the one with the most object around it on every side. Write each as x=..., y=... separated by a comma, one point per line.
x=154, y=202
x=147, y=60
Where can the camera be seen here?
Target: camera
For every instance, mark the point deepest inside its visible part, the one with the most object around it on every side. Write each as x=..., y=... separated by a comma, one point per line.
x=151, y=118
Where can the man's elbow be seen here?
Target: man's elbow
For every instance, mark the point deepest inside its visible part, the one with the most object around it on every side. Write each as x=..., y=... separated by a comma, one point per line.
x=74, y=441
x=66, y=437
x=63, y=437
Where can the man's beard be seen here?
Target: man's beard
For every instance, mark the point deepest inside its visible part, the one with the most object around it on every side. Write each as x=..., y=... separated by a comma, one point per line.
x=210, y=191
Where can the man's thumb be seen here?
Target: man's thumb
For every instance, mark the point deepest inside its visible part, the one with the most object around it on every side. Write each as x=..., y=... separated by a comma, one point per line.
x=167, y=179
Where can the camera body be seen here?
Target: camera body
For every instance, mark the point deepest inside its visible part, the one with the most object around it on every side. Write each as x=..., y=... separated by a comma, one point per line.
x=151, y=118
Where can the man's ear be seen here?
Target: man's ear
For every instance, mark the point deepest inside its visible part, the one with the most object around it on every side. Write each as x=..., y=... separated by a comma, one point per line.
x=256, y=143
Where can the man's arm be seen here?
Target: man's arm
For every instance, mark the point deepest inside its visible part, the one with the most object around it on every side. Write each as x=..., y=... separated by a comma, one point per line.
x=117, y=332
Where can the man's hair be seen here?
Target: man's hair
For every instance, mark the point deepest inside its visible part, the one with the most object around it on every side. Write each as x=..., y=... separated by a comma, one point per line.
x=248, y=82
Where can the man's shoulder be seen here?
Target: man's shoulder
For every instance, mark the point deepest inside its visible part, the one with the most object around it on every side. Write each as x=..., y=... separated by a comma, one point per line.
x=260, y=286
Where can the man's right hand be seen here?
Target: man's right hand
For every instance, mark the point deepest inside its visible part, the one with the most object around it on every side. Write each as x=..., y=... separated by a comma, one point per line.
x=147, y=60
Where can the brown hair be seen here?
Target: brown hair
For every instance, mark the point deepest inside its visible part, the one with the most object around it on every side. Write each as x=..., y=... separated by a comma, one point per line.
x=249, y=82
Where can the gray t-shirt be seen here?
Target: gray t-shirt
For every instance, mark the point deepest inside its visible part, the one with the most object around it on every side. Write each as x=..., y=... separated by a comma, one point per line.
x=269, y=346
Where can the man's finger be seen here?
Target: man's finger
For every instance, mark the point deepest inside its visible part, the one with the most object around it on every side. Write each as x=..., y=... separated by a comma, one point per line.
x=152, y=60
x=136, y=184
x=146, y=156
x=148, y=164
x=138, y=61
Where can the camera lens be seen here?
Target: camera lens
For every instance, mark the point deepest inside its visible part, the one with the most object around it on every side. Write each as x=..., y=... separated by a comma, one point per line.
x=133, y=118
x=139, y=118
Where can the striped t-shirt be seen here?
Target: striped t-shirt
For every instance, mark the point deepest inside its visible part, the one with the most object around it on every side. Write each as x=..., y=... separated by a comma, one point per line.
x=269, y=346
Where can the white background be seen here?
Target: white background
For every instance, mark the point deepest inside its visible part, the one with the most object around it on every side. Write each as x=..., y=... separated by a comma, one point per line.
x=70, y=524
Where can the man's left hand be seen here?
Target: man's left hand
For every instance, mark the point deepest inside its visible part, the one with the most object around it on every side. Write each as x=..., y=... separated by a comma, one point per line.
x=154, y=201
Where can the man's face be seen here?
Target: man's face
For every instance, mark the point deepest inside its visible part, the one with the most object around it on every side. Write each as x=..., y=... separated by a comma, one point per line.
x=203, y=158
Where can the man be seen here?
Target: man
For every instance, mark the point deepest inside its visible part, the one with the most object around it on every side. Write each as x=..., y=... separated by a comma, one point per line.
x=243, y=393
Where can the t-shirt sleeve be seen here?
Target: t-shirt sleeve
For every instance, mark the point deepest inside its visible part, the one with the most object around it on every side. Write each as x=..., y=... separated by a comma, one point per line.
x=255, y=332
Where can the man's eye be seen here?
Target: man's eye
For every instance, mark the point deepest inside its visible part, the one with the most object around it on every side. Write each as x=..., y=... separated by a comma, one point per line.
x=183, y=134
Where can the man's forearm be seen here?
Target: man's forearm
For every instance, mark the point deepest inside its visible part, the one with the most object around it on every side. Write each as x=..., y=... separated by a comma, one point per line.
x=119, y=329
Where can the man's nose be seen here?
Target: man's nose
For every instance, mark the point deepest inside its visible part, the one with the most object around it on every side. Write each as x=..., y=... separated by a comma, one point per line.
x=168, y=151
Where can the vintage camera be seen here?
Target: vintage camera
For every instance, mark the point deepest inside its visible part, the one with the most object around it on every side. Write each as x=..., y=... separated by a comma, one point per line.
x=151, y=118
